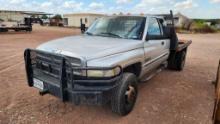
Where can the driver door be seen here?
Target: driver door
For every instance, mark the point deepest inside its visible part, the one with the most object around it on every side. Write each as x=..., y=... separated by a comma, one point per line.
x=156, y=47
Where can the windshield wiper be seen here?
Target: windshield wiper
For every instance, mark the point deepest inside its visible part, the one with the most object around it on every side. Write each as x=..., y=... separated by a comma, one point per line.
x=112, y=34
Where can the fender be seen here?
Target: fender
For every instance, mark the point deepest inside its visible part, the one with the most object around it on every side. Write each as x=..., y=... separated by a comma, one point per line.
x=123, y=59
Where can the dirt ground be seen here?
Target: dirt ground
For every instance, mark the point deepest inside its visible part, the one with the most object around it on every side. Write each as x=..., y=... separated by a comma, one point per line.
x=171, y=97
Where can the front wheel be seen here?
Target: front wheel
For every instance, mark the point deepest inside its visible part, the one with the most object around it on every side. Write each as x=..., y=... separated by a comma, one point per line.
x=124, y=97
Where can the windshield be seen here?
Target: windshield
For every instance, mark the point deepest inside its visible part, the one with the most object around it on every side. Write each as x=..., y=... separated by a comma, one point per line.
x=119, y=27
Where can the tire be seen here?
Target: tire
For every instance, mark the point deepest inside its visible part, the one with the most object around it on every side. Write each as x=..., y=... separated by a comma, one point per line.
x=125, y=95
x=180, y=60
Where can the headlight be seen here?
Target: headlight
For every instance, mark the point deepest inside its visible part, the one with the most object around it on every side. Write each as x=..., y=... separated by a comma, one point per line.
x=75, y=62
x=103, y=73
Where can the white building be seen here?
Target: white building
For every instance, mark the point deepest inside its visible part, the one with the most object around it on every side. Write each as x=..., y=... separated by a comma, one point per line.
x=76, y=19
x=181, y=21
x=18, y=16
x=12, y=15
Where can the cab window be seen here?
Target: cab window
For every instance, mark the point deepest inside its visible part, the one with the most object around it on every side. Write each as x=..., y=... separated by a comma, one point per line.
x=154, y=28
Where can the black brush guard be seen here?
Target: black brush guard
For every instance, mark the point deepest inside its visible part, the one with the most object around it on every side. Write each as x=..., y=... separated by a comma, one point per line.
x=59, y=79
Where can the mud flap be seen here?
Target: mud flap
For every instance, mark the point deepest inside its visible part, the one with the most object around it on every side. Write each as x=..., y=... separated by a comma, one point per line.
x=216, y=112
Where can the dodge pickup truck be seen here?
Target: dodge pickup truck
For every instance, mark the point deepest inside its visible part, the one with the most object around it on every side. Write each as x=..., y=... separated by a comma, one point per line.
x=105, y=64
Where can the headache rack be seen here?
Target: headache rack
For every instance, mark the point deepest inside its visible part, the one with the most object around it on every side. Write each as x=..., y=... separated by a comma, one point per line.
x=176, y=45
x=60, y=77
x=169, y=18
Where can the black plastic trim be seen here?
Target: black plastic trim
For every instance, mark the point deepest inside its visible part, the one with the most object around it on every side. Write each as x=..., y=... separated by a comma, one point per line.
x=72, y=88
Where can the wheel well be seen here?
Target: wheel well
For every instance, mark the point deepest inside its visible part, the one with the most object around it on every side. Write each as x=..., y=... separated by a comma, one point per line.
x=134, y=68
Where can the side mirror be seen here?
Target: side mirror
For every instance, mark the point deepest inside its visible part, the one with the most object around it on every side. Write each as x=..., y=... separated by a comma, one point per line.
x=151, y=37
x=154, y=37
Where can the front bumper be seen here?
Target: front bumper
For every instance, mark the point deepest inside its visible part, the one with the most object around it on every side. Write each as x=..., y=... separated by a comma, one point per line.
x=59, y=80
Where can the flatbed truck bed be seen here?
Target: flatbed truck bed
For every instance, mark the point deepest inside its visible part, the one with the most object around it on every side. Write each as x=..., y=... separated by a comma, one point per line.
x=16, y=28
x=182, y=44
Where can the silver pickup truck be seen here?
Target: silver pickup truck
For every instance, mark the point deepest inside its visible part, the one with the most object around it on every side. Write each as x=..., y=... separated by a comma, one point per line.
x=106, y=63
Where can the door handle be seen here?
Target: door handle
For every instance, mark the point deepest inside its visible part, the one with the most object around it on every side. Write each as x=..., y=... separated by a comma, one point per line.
x=162, y=43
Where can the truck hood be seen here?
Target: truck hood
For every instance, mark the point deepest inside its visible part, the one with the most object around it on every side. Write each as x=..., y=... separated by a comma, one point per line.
x=90, y=47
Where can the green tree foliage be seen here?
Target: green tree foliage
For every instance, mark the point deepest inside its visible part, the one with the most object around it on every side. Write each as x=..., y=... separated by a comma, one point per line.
x=201, y=27
x=200, y=21
x=44, y=17
x=57, y=17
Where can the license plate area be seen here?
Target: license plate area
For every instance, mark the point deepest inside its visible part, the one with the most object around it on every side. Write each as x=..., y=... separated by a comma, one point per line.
x=38, y=84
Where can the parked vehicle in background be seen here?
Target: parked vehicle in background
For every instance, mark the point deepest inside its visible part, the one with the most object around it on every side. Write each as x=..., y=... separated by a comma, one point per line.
x=105, y=64
x=46, y=22
x=16, y=26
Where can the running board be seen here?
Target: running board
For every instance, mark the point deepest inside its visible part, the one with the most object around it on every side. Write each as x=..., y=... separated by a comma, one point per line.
x=155, y=72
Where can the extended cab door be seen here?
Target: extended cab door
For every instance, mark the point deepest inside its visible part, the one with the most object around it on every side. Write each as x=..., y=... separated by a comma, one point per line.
x=156, y=46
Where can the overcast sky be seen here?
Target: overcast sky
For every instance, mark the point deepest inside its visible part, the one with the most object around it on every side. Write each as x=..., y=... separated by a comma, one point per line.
x=191, y=8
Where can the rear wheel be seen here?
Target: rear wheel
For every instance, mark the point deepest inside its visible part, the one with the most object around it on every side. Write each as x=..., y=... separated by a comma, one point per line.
x=180, y=60
x=124, y=97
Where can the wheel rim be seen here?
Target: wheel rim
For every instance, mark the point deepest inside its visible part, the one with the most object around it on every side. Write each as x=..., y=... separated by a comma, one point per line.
x=130, y=95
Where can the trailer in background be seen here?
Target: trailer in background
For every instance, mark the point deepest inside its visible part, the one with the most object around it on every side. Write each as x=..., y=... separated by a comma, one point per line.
x=17, y=28
x=27, y=26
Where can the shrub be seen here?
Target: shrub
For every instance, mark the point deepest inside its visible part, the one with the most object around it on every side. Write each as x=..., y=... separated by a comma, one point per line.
x=1, y=20
x=199, y=21
x=201, y=27
x=44, y=17
x=57, y=17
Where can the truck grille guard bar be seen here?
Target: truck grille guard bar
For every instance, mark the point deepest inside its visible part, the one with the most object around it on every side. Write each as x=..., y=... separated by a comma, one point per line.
x=62, y=75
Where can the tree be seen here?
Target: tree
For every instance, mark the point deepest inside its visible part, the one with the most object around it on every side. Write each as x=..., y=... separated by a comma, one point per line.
x=33, y=16
x=57, y=17
x=44, y=17
x=56, y=20
x=1, y=20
